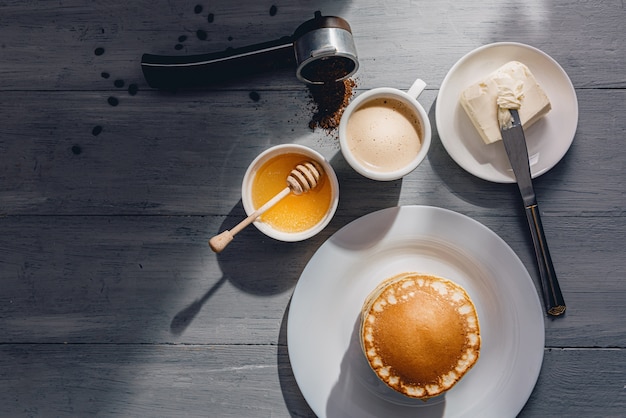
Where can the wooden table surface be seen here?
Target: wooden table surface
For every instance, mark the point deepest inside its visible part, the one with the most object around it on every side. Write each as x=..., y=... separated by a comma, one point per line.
x=112, y=303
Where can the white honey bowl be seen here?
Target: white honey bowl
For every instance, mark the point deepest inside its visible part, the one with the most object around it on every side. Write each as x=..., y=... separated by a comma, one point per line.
x=257, y=163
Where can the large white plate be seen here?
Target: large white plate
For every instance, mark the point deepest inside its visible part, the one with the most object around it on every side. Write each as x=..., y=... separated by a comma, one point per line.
x=324, y=349
x=548, y=139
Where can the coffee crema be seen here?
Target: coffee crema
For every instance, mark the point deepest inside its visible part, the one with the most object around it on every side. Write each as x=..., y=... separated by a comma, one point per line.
x=384, y=134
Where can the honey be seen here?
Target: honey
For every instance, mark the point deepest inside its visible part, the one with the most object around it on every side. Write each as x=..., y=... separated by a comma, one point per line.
x=294, y=213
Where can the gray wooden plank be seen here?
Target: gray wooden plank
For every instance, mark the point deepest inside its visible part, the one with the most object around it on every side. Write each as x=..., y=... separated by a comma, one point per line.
x=153, y=279
x=418, y=40
x=587, y=383
x=154, y=380
x=122, y=279
x=225, y=381
x=187, y=154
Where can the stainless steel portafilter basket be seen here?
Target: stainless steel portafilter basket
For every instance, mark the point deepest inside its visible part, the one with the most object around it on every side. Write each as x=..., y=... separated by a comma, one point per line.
x=321, y=49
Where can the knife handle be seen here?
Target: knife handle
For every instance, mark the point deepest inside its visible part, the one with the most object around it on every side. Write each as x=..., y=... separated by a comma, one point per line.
x=553, y=298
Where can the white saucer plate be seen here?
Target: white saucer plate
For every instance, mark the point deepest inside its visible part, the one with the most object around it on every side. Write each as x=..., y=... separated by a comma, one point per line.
x=323, y=321
x=548, y=139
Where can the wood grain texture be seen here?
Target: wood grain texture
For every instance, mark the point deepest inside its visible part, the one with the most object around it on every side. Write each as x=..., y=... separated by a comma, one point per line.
x=186, y=154
x=153, y=279
x=52, y=46
x=249, y=380
x=111, y=302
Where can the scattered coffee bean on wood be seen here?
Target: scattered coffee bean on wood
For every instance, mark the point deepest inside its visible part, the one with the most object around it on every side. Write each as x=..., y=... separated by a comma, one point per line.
x=97, y=130
x=182, y=38
x=113, y=101
x=198, y=9
x=210, y=18
x=133, y=89
x=178, y=47
x=254, y=96
x=76, y=150
x=99, y=51
x=202, y=35
x=273, y=10
x=105, y=74
x=119, y=83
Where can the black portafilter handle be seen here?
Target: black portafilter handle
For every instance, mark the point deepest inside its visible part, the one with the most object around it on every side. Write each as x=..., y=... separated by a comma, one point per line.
x=173, y=72
x=321, y=49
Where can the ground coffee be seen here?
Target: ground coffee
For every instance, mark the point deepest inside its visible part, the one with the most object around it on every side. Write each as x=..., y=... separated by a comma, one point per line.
x=329, y=100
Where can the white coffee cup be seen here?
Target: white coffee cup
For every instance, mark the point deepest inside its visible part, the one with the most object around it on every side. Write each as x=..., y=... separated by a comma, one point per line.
x=385, y=133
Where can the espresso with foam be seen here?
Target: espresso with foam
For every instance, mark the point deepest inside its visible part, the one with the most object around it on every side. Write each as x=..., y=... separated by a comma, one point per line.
x=384, y=134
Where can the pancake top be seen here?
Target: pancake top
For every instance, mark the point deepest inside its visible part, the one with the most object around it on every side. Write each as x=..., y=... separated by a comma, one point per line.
x=420, y=333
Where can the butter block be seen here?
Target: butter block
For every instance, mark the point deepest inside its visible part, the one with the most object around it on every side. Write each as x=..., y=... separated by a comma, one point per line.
x=480, y=100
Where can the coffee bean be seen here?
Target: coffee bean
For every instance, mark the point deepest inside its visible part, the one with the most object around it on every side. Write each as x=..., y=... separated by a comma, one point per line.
x=113, y=101
x=202, y=35
x=198, y=9
x=182, y=38
x=118, y=83
x=178, y=47
x=133, y=89
x=105, y=75
x=97, y=130
x=254, y=96
x=76, y=150
x=210, y=18
x=273, y=10
x=99, y=51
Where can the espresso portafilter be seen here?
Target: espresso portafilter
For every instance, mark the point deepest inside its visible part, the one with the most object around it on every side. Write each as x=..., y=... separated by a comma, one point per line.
x=321, y=50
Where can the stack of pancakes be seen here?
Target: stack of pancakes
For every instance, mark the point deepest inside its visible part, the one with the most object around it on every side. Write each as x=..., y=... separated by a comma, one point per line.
x=420, y=334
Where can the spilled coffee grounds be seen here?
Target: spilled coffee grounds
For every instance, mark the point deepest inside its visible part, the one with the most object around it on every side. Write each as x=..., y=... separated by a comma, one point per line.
x=329, y=100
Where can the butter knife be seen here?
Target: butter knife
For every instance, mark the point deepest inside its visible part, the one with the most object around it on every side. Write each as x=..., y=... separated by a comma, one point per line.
x=515, y=145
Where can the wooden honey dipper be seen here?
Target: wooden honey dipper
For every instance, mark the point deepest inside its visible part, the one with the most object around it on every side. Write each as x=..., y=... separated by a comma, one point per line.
x=304, y=177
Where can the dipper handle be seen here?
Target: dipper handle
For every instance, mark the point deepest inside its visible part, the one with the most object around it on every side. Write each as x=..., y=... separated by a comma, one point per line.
x=220, y=241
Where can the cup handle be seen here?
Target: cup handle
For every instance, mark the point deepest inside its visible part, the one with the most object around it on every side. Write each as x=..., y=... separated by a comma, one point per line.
x=417, y=88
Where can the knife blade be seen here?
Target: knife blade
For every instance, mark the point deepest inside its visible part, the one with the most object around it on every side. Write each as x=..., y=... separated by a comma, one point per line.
x=516, y=149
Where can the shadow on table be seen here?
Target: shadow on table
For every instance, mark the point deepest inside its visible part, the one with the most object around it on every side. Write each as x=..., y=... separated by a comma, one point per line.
x=471, y=189
x=260, y=274
x=359, y=195
x=253, y=263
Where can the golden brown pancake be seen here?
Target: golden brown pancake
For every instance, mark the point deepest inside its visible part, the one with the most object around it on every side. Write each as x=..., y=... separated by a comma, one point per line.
x=420, y=334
